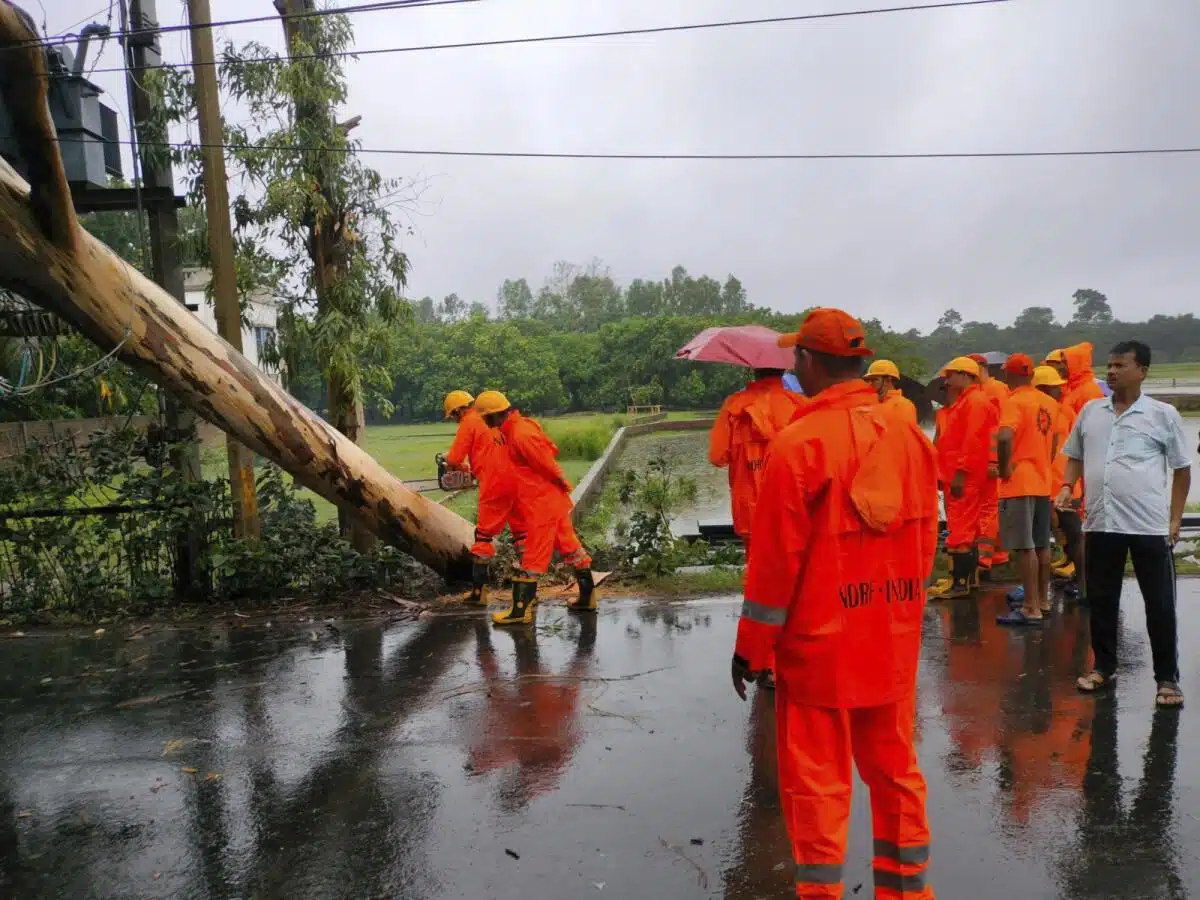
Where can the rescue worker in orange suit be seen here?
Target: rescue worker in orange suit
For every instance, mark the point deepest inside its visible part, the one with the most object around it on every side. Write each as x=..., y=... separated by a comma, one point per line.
x=543, y=506
x=884, y=376
x=845, y=536
x=745, y=426
x=991, y=551
x=481, y=450
x=1027, y=446
x=965, y=467
x=1069, y=521
x=1075, y=365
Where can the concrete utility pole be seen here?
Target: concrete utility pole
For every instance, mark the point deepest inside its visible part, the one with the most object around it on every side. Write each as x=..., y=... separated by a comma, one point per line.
x=142, y=51
x=246, y=522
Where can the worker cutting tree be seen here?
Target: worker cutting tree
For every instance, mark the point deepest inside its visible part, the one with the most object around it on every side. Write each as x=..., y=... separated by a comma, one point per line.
x=845, y=536
x=543, y=499
x=745, y=426
x=480, y=450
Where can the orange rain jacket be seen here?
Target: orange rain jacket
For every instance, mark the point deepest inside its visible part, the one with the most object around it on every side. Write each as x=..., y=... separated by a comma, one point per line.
x=845, y=535
x=896, y=403
x=965, y=438
x=1063, y=423
x=996, y=391
x=483, y=447
x=1081, y=381
x=543, y=492
x=745, y=426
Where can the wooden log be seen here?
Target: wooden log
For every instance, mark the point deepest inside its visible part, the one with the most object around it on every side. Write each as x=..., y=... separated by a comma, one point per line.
x=46, y=257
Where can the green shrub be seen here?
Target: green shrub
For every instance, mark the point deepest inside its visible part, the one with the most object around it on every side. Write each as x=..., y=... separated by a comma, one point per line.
x=583, y=443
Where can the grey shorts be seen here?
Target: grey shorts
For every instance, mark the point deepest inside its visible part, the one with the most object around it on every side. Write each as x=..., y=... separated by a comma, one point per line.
x=1025, y=523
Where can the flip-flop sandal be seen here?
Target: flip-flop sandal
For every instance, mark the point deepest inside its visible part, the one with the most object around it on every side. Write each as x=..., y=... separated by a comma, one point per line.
x=1016, y=598
x=1018, y=617
x=1093, y=682
x=1169, y=695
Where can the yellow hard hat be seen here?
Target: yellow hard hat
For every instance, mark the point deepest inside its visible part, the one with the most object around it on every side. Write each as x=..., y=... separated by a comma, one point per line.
x=456, y=400
x=490, y=402
x=1047, y=376
x=883, y=368
x=1055, y=356
x=961, y=364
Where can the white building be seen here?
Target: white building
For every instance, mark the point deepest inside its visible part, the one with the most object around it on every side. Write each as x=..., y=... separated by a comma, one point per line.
x=262, y=313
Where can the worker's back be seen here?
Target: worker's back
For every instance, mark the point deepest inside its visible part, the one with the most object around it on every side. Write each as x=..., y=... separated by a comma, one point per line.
x=966, y=436
x=747, y=423
x=847, y=522
x=483, y=446
x=543, y=493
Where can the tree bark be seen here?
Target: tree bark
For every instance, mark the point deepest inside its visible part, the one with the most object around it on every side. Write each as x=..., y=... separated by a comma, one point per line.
x=46, y=257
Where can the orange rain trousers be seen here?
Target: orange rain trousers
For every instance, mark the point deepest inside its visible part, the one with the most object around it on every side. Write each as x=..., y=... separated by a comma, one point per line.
x=964, y=517
x=990, y=552
x=815, y=790
x=497, y=508
x=545, y=538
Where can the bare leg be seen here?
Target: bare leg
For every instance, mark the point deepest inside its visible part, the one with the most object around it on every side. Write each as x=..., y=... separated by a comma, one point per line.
x=1043, y=566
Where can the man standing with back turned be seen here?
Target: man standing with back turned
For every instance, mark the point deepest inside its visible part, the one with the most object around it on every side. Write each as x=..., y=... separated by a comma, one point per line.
x=844, y=539
x=1129, y=448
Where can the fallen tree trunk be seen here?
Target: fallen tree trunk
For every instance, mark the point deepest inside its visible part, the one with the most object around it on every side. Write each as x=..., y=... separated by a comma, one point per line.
x=46, y=257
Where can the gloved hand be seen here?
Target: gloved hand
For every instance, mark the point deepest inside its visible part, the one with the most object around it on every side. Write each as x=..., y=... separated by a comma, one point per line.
x=741, y=672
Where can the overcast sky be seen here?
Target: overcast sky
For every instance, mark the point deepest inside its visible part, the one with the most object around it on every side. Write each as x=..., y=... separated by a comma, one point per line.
x=898, y=240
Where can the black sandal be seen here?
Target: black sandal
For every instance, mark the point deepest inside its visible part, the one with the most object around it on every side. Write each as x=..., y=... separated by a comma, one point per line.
x=1095, y=681
x=1169, y=695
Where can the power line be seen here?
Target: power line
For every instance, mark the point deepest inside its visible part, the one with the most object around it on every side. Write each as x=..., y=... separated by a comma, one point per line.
x=683, y=157
x=382, y=6
x=623, y=32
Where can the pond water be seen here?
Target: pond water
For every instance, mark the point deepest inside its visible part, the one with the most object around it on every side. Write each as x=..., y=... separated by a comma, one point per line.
x=688, y=450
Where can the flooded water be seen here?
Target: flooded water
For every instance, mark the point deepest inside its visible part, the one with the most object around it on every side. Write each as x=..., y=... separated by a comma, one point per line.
x=578, y=758
x=689, y=451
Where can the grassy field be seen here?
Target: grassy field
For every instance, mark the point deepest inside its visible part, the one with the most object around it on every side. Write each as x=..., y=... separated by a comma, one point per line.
x=1175, y=370
x=408, y=451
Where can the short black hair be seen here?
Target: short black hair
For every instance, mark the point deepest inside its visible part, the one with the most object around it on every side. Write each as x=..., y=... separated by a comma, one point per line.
x=1140, y=351
x=839, y=366
x=768, y=373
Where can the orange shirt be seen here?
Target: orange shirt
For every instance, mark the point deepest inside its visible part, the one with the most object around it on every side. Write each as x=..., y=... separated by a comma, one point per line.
x=844, y=539
x=965, y=439
x=482, y=446
x=745, y=427
x=896, y=403
x=1030, y=415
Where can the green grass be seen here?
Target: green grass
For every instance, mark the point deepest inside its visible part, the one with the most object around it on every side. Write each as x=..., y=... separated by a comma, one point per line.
x=1175, y=370
x=719, y=580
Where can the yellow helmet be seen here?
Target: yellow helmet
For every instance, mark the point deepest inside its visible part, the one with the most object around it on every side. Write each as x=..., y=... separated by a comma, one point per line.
x=456, y=400
x=490, y=402
x=1047, y=376
x=883, y=368
x=963, y=364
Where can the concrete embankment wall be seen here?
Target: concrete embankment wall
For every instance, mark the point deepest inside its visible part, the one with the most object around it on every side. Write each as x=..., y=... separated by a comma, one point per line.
x=590, y=486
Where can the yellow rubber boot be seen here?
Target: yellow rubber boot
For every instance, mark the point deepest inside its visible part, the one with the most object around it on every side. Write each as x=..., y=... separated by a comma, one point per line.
x=1064, y=571
x=587, y=601
x=524, y=600
x=940, y=587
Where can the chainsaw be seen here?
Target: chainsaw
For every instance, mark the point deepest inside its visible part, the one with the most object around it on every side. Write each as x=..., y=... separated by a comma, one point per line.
x=452, y=479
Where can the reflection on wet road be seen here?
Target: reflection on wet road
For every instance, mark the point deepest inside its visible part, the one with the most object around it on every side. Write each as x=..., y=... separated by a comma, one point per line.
x=448, y=759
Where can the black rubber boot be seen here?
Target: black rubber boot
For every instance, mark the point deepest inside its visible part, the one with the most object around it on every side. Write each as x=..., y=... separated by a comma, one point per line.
x=524, y=599
x=587, y=601
x=479, y=581
x=961, y=573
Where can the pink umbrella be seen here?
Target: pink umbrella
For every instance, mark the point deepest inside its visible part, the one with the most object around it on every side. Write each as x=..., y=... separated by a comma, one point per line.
x=752, y=346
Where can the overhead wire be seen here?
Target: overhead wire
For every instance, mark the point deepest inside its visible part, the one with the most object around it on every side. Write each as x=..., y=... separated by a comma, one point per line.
x=383, y=6
x=731, y=157
x=621, y=32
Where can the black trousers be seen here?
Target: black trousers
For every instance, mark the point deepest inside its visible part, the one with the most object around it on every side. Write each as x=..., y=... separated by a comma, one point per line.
x=1154, y=566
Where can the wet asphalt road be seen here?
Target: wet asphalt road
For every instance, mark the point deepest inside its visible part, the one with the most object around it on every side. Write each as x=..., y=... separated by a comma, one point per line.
x=445, y=759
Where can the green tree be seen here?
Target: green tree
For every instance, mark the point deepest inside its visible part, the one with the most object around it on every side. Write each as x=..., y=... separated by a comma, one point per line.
x=951, y=320
x=1091, y=308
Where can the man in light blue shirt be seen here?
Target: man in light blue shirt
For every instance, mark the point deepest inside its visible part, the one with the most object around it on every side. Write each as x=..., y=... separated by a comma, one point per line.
x=1136, y=467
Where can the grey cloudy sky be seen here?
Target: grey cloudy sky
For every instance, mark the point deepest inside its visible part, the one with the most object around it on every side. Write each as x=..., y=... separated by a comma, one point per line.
x=897, y=240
